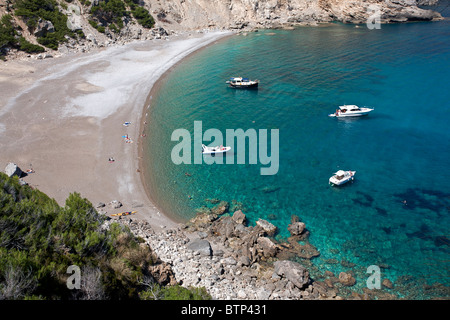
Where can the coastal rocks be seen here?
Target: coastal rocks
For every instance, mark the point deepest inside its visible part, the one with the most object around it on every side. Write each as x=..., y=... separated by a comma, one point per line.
x=346, y=279
x=246, y=265
x=269, y=228
x=266, y=247
x=387, y=283
x=239, y=217
x=13, y=170
x=296, y=227
x=292, y=271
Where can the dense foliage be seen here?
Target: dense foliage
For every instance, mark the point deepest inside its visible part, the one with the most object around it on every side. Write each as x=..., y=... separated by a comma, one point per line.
x=9, y=37
x=143, y=17
x=103, y=15
x=111, y=14
x=39, y=240
x=31, y=11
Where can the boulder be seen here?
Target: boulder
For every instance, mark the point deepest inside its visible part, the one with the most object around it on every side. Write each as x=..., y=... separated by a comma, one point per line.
x=269, y=228
x=43, y=27
x=296, y=228
x=297, y=274
x=200, y=245
x=74, y=18
x=229, y=261
x=221, y=208
x=239, y=217
x=13, y=170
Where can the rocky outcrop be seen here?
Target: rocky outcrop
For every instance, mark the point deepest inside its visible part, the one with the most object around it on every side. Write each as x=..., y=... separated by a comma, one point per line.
x=44, y=27
x=13, y=170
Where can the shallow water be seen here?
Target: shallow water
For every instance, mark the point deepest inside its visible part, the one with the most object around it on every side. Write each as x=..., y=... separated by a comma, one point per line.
x=396, y=212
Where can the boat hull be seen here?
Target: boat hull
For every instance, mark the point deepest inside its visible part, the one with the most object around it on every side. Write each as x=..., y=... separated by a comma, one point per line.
x=244, y=86
x=349, y=114
x=214, y=151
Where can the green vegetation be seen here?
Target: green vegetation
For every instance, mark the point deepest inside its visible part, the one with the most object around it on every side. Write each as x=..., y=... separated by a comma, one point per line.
x=110, y=14
x=49, y=25
x=29, y=47
x=143, y=17
x=9, y=37
x=7, y=32
x=39, y=240
x=157, y=292
x=31, y=11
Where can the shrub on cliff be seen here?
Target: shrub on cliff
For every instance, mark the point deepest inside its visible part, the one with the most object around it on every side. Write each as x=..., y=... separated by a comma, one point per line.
x=9, y=37
x=143, y=17
x=32, y=11
x=39, y=240
x=109, y=13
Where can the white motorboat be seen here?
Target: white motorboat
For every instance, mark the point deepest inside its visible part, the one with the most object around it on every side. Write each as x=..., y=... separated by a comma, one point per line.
x=350, y=110
x=244, y=83
x=211, y=150
x=342, y=177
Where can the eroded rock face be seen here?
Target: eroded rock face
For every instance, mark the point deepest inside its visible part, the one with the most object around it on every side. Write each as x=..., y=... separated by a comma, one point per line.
x=239, y=14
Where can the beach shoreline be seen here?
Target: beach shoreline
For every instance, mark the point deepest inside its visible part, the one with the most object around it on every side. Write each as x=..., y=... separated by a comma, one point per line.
x=63, y=118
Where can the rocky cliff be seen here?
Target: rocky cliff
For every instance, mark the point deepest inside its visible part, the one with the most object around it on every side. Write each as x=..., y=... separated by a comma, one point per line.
x=192, y=14
x=99, y=23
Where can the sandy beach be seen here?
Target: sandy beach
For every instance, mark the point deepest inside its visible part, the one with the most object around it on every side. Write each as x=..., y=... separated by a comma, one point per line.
x=65, y=116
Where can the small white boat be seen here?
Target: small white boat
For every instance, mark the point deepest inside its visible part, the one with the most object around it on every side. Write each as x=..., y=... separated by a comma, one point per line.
x=243, y=83
x=342, y=177
x=211, y=150
x=350, y=110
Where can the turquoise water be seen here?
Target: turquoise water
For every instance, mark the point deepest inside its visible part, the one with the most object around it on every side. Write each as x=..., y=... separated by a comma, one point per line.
x=401, y=151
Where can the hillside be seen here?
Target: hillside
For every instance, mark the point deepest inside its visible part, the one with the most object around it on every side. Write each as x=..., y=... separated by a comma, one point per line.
x=39, y=241
x=64, y=26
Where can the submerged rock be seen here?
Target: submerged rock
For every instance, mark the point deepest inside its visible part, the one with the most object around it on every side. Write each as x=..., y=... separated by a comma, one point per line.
x=346, y=279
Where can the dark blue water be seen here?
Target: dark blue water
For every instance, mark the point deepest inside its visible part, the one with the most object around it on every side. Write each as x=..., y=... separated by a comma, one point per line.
x=396, y=212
